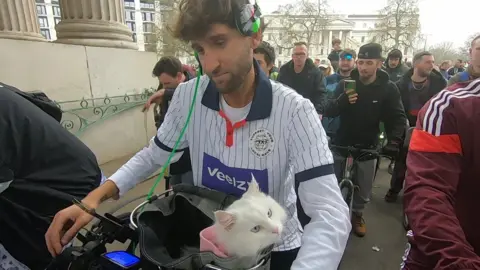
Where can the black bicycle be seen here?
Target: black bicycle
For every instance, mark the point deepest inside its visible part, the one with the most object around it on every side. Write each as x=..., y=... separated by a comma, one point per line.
x=353, y=154
x=161, y=229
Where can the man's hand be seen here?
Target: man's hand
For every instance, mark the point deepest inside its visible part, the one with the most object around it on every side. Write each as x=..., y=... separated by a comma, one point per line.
x=156, y=98
x=352, y=96
x=64, y=227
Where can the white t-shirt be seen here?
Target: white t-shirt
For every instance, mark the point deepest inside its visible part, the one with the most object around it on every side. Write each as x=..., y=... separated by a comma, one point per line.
x=281, y=141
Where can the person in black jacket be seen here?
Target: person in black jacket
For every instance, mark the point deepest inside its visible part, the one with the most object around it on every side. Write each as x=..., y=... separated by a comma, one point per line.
x=417, y=86
x=376, y=99
x=304, y=77
x=43, y=167
x=171, y=73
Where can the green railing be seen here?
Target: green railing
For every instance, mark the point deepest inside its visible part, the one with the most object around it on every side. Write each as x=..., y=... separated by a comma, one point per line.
x=79, y=115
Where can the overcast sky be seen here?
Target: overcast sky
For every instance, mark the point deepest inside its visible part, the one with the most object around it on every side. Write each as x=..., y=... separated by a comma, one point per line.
x=442, y=20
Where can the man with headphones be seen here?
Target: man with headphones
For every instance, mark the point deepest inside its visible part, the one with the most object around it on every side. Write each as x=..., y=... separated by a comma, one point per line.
x=241, y=125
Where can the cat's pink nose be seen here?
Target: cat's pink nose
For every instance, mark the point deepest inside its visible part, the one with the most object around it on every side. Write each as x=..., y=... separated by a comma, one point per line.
x=275, y=230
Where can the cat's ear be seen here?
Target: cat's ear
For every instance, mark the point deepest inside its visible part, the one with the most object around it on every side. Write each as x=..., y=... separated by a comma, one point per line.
x=253, y=186
x=225, y=219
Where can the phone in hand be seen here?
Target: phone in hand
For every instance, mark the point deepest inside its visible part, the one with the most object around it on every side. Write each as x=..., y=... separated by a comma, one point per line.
x=350, y=85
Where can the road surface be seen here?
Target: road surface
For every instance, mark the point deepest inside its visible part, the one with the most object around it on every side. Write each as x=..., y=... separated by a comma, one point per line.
x=384, y=227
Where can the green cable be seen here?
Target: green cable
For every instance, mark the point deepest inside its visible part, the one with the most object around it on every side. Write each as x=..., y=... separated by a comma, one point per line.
x=165, y=166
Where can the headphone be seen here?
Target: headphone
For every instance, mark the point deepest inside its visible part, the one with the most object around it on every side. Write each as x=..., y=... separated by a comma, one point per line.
x=247, y=21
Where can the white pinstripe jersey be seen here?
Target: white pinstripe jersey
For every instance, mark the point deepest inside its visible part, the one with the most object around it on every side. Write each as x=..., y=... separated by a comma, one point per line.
x=280, y=141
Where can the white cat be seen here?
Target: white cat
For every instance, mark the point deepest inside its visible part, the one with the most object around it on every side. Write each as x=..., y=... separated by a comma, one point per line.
x=250, y=224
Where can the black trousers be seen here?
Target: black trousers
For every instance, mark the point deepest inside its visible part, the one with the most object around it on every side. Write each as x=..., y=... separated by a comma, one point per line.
x=283, y=260
x=399, y=171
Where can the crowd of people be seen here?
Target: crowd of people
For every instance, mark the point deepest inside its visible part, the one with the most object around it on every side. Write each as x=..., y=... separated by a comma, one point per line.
x=254, y=119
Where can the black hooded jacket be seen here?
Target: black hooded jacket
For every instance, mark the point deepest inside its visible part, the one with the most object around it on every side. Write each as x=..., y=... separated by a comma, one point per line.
x=359, y=122
x=309, y=83
x=397, y=72
x=413, y=100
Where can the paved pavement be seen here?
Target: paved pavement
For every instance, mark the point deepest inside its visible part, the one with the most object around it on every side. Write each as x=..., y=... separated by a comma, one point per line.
x=384, y=226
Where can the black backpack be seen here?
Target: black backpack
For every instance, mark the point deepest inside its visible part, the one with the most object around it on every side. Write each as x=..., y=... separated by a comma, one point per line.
x=40, y=99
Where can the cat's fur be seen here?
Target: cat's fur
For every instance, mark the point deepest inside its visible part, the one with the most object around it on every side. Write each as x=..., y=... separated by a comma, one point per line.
x=250, y=224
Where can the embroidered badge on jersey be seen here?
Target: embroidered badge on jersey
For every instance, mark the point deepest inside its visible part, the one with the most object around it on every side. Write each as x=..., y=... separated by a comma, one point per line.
x=261, y=143
x=221, y=177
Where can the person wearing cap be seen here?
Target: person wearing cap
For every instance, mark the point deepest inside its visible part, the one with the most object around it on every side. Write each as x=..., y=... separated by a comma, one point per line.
x=346, y=65
x=326, y=67
x=394, y=66
x=375, y=99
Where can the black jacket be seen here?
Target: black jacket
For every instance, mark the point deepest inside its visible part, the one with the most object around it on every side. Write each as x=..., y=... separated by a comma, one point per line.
x=436, y=83
x=184, y=164
x=397, y=72
x=377, y=102
x=309, y=83
x=47, y=165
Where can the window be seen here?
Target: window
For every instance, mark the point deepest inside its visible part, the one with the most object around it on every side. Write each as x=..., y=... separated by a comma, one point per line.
x=45, y=33
x=134, y=37
x=150, y=38
x=130, y=15
x=364, y=25
x=363, y=39
x=43, y=21
x=148, y=17
x=56, y=11
x=147, y=27
x=41, y=10
x=55, y=2
x=280, y=50
x=129, y=3
x=40, y=1
x=147, y=5
x=57, y=20
x=132, y=26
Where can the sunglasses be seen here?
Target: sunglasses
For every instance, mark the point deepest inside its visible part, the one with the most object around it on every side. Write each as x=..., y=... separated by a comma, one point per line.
x=347, y=56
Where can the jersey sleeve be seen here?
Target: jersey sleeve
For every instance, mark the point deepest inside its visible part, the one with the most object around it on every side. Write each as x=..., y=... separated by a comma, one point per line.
x=434, y=166
x=152, y=157
x=325, y=236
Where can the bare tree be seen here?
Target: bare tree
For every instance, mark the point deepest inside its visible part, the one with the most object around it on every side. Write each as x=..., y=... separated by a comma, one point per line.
x=161, y=40
x=468, y=44
x=399, y=26
x=303, y=20
x=445, y=51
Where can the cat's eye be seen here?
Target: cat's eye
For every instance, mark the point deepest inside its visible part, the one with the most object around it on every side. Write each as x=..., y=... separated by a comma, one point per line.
x=255, y=229
x=269, y=214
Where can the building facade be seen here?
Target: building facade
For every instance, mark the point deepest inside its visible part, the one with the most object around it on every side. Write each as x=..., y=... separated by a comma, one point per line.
x=353, y=30
x=140, y=16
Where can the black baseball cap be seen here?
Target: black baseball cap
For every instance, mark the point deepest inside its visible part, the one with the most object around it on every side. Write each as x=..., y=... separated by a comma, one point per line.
x=370, y=51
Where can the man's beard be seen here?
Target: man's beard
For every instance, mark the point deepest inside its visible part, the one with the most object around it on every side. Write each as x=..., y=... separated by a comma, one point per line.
x=424, y=74
x=346, y=69
x=245, y=64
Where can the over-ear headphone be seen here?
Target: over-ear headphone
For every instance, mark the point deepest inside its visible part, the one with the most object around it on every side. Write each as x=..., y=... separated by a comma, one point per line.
x=247, y=21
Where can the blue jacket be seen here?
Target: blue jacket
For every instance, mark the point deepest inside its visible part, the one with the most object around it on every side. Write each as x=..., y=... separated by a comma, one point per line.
x=331, y=124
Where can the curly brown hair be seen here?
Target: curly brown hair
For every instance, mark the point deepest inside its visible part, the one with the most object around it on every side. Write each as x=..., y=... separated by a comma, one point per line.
x=196, y=16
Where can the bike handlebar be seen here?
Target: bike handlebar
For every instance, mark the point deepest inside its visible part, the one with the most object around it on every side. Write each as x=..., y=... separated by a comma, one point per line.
x=353, y=149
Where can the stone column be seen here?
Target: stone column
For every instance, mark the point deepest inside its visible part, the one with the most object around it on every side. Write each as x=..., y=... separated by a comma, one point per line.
x=330, y=33
x=18, y=20
x=99, y=23
x=340, y=33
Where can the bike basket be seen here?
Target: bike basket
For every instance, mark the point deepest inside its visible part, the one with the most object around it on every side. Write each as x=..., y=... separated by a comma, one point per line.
x=170, y=226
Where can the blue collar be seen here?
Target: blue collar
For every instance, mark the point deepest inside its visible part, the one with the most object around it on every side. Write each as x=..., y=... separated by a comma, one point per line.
x=262, y=99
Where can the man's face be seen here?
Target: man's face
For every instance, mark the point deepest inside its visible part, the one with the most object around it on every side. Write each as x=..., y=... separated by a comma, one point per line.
x=475, y=53
x=336, y=46
x=260, y=57
x=169, y=81
x=368, y=68
x=393, y=62
x=226, y=56
x=346, y=65
x=425, y=65
x=445, y=66
x=299, y=56
x=458, y=64
x=317, y=62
